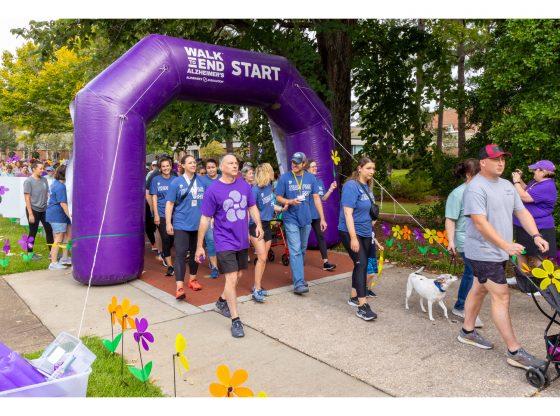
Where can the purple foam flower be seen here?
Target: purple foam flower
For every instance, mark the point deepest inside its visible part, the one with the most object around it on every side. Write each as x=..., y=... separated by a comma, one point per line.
x=3, y=190
x=6, y=247
x=386, y=229
x=141, y=334
x=418, y=235
x=26, y=242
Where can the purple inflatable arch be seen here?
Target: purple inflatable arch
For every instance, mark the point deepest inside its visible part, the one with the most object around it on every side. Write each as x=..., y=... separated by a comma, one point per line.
x=110, y=118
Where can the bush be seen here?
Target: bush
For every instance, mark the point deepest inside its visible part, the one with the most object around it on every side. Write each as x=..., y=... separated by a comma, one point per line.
x=410, y=187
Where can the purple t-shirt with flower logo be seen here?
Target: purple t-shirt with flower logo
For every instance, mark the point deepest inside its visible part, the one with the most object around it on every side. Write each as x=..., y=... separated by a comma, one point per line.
x=229, y=204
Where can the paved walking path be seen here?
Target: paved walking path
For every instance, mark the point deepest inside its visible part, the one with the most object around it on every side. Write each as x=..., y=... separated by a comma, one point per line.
x=307, y=346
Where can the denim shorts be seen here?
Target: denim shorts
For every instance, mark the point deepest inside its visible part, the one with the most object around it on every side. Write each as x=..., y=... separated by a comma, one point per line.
x=489, y=270
x=59, y=227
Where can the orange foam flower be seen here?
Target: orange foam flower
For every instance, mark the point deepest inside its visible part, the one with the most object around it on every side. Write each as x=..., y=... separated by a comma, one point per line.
x=125, y=314
x=230, y=385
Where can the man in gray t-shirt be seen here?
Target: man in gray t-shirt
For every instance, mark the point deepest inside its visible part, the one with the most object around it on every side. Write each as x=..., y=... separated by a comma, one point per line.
x=489, y=202
x=36, y=194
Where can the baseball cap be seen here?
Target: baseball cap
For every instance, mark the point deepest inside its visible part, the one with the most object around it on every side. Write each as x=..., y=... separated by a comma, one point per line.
x=491, y=151
x=154, y=162
x=49, y=169
x=298, y=157
x=544, y=165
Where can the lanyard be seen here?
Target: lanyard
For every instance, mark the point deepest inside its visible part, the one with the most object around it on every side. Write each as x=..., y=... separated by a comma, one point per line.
x=299, y=184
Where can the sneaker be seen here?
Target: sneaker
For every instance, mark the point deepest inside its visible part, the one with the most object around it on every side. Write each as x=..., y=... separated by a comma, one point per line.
x=170, y=271
x=57, y=266
x=163, y=262
x=366, y=313
x=328, y=266
x=66, y=261
x=180, y=293
x=300, y=290
x=257, y=295
x=461, y=314
x=264, y=291
x=474, y=338
x=524, y=360
x=223, y=308
x=36, y=257
x=237, y=329
x=155, y=250
x=305, y=284
x=353, y=302
x=512, y=281
x=371, y=294
x=214, y=273
x=537, y=294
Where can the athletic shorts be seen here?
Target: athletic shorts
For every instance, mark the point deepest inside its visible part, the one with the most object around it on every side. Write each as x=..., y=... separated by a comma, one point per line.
x=266, y=229
x=232, y=261
x=59, y=227
x=489, y=270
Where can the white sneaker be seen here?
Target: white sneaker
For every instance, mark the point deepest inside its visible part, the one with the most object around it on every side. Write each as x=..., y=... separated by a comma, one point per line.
x=512, y=281
x=57, y=266
x=66, y=261
x=461, y=314
x=537, y=294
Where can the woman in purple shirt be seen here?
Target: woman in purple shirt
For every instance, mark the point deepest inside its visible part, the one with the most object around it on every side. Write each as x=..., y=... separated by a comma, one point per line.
x=539, y=197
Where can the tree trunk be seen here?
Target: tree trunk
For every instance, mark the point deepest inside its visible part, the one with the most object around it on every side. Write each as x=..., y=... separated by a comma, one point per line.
x=441, y=106
x=461, y=103
x=335, y=49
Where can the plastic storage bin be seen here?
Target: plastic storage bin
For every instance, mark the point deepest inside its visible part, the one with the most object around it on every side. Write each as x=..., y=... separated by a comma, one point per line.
x=65, y=365
x=71, y=386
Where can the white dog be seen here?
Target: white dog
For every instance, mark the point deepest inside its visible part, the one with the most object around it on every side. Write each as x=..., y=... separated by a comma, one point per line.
x=433, y=290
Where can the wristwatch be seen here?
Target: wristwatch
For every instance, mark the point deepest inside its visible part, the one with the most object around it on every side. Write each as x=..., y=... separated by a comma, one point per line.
x=537, y=235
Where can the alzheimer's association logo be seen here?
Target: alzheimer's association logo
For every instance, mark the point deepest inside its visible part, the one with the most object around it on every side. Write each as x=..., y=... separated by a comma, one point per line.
x=235, y=206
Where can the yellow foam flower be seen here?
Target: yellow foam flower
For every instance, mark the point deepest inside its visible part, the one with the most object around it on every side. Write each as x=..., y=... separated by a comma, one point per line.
x=430, y=235
x=180, y=346
x=230, y=385
x=335, y=158
x=548, y=274
x=397, y=232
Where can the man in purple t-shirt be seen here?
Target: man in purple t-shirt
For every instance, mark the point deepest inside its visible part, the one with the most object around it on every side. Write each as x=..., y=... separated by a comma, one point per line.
x=229, y=201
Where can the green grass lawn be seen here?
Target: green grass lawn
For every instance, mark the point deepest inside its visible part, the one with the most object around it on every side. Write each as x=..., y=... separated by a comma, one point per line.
x=105, y=379
x=16, y=264
x=391, y=207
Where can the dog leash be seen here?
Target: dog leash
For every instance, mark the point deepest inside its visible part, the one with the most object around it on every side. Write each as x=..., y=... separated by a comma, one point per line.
x=452, y=264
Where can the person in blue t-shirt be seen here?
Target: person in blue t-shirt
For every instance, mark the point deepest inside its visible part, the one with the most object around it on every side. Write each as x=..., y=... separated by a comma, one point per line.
x=210, y=178
x=266, y=203
x=355, y=228
x=299, y=190
x=184, y=199
x=59, y=218
x=315, y=225
x=159, y=187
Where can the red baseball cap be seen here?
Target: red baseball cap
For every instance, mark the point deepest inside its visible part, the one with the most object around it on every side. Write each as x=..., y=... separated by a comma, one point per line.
x=491, y=151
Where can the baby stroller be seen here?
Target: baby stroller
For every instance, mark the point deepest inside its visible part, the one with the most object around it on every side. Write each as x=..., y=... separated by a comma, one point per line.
x=537, y=377
x=277, y=240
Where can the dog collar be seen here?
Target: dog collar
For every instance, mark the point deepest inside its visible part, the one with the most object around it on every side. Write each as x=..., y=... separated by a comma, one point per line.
x=438, y=285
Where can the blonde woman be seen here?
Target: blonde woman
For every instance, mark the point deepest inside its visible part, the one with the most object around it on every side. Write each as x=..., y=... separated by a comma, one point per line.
x=264, y=198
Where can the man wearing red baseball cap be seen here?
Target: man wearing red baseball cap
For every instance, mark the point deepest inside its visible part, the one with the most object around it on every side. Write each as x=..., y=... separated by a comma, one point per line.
x=489, y=202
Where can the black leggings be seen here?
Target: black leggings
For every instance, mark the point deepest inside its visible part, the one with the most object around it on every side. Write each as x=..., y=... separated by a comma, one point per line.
x=185, y=241
x=316, y=225
x=360, y=259
x=166, y=239
x=149, y=225
x=33, y=228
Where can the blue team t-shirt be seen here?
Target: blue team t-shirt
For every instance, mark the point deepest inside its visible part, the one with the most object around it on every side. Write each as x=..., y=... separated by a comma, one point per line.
x=160, y=186
x=229, y=204
x=290, y=186
x=186, y=215
x=209, y=181
x=321, y=193
x=354, y=196
x=264, y=198
x=57, y=194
